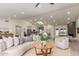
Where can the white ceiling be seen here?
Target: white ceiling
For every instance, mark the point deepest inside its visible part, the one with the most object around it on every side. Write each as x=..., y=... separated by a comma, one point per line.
x=58, y=11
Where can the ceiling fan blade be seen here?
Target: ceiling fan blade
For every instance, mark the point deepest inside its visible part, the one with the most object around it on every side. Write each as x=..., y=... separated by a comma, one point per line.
x=37, y=4
x=51, y=3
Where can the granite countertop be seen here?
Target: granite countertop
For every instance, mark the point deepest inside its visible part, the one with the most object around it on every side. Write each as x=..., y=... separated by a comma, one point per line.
x=62, y=36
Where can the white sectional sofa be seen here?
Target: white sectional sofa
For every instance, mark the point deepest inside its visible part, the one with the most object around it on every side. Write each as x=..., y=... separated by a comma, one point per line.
x=62, y=42
x=15, y=50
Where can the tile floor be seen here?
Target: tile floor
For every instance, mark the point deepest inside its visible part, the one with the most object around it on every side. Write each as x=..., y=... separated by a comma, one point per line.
x=73, y=50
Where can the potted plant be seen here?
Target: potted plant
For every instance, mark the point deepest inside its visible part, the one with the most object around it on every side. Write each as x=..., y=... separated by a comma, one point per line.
x=44, y=37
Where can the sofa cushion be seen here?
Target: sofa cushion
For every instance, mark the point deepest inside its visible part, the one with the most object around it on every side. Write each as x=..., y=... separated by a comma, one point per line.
x=62, y=42
x=19, y=50
x=16, y=41
x=25, y=39
x=8, y=41
x=30, y=38
x=21, y=41
x=11, y=41
x=2, y=45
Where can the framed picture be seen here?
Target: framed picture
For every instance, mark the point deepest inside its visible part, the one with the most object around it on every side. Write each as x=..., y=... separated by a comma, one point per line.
x=78, y=30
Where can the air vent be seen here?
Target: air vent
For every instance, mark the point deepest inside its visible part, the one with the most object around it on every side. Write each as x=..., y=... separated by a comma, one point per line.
x=6, y=20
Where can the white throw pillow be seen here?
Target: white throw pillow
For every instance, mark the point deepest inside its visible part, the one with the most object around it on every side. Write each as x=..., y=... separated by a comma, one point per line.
x=16, y=41
x=25, y=39
x=34, y=37
x=11, y=40
x=8, y=41
x=21, y=40
x=2, y=45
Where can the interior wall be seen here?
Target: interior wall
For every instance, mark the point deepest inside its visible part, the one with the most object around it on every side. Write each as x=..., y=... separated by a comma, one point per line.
x=77, y=26
x=11, y=24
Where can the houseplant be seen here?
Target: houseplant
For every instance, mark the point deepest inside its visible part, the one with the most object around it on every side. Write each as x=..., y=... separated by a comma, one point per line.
x=44, y=37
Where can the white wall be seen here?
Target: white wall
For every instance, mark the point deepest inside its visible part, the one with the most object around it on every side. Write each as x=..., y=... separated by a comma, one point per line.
x=12, y=23
x=77, y=26
x=24, y=24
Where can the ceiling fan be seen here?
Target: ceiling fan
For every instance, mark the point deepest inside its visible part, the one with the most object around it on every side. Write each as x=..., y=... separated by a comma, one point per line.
x=40, y=3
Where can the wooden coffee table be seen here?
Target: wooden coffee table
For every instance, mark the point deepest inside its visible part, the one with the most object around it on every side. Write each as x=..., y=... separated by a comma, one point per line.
x=44, y=50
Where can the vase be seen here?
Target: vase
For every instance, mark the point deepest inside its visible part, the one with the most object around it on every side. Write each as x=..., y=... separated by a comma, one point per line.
x=43, y=43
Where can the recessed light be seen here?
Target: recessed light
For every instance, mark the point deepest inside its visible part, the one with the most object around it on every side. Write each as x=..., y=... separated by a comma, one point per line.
x=51, y=16
x=68, y=12
x=68, y=18
x=22, y=12
x=40, y=22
